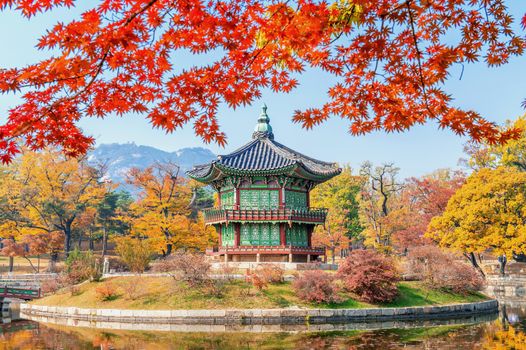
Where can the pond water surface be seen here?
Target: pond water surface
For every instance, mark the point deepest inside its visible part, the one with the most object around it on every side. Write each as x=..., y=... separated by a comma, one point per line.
x=504, y=331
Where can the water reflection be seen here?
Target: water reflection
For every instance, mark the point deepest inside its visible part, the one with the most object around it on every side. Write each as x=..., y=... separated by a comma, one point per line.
x=505, y=332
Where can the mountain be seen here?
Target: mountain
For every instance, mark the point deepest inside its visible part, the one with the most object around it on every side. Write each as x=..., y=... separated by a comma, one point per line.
x=122, y=157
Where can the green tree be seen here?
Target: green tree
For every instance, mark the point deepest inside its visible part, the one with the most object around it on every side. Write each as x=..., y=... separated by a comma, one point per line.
x=112, y=213
x=343, y=222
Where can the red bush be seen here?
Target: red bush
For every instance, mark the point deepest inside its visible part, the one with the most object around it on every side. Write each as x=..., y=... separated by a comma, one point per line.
x=316, y=286
x=193, y=268
x=370, y=275
x=106, y=292
x=440, y=270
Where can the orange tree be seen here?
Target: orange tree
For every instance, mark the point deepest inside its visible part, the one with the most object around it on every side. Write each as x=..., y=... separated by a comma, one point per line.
x=389, y=58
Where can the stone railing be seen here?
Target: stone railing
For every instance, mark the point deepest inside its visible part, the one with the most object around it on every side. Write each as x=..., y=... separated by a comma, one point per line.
x=306, y=215
x=278, y=249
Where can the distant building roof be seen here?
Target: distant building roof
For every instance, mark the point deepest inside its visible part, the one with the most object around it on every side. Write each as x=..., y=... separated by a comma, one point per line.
x=264, y=156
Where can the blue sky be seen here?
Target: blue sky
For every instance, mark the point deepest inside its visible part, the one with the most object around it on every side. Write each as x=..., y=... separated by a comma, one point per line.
x=496, y=93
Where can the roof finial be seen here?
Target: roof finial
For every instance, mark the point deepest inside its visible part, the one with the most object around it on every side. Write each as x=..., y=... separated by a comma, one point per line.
x=263, y=128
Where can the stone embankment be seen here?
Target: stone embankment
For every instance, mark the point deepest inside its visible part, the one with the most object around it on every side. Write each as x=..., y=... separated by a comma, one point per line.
x=508, y=288
x=259, y=316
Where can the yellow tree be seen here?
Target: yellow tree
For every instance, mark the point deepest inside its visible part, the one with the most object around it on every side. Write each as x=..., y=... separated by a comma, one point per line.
x=54, y=191
x=163, y=207
x=12, y=224
x=512, y=153
x=487, y=212
x=343, y=223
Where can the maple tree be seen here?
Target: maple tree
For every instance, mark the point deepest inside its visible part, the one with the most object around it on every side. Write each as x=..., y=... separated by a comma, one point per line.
x=422, y=199
x=389, y=59
x=488, y=212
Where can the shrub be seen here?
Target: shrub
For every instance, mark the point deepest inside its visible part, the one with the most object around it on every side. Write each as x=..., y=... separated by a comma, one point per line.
x=82, y=266
x=135, y=253
x=189, y=267
x=106, y=292
x=370, y=275
x=227, y=272
x=271, y=273
x=216, y=287
x=441, y=271
x=74, y=291
x=50, y=286
x=258, y=281
x=316, y=286
x=133, y=287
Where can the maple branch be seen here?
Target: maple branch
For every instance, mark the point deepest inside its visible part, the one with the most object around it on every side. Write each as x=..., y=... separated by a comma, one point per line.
x=418, y=58
x=99, y=67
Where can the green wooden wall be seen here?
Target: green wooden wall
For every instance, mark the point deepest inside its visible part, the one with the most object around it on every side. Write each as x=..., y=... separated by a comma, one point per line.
x=227, y=199
x=227, y=235
x=259, y=234
x=259, y=199
x=295, y=199
x=297, y=235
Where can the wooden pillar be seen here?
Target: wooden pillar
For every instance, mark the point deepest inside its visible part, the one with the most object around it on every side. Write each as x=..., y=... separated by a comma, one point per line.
x=308, y=258
x=290, y=257
x=258, y=257
x=220, y=234
x=237, y=234
x=310, y=229
x=282, y=234
x=236, y=197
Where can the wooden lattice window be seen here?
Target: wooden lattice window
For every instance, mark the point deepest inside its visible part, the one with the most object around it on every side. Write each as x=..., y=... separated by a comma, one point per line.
x=295, y=200
x=297, y=236
x=259, y=199
x=259, y=234
x=227, y=235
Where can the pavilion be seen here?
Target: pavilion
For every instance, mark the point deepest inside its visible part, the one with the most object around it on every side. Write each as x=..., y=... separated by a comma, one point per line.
x=263, y=212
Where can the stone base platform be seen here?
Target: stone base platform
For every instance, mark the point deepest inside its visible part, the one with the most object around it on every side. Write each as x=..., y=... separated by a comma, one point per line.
x=282, y=265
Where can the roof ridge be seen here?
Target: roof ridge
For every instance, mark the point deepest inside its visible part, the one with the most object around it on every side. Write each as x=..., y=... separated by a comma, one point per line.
x=238, y=150
x=281, y=147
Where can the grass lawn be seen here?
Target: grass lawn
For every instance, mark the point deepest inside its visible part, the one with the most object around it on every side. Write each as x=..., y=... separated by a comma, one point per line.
x=157, y=293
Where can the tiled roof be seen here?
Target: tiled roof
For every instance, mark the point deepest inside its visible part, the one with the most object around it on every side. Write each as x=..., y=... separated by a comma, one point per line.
x=265, y=154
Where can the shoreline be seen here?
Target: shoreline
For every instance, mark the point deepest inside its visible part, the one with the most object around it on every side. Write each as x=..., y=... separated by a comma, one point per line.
x=255, y=317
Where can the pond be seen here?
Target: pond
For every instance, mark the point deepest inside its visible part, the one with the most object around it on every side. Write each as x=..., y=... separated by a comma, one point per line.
x=504, y=331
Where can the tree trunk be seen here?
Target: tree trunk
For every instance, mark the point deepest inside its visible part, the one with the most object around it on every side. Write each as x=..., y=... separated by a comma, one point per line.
x=473, y=260
x=79, y=242
x=11, y=263
x=104, y=240
x=333, y=253
x=168, y=249
x=91, y=246
x=67, y=241
x=52, y=262
x=502, y=264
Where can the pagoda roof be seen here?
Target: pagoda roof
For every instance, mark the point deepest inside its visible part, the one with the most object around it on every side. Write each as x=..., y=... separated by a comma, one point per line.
x=264, y=156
